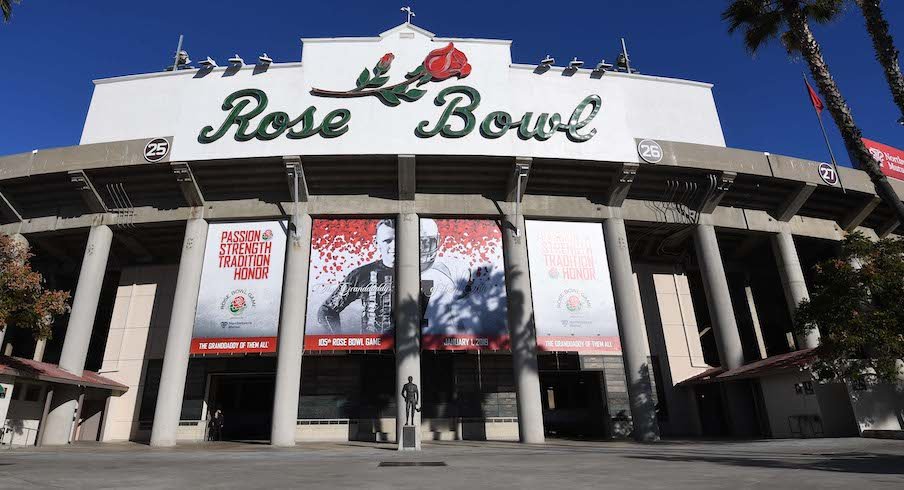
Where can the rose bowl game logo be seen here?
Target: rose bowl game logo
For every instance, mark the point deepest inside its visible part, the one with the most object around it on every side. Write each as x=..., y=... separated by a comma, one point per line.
x=572, y=300
x=237, y=302
x=267, y=235
x=440, y=64
x=553, y=273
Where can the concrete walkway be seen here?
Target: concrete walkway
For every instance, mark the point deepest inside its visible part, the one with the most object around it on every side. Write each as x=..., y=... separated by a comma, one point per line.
x=798, y=464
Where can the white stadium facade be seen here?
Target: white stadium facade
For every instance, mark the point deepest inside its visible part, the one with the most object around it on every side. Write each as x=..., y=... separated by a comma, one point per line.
x=544, y=251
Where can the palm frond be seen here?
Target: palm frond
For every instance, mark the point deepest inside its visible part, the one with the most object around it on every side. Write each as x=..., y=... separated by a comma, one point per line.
x=760, y=21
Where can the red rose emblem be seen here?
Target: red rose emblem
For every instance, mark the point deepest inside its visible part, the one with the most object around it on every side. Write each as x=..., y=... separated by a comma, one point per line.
x=238, y=302
x=385, y=62
x=447, y=62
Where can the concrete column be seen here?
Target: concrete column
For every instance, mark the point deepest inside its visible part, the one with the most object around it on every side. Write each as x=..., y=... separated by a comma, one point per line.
x=631, y=332
x=718, y=299
x=40, y=346
x=407, y=316
x=291, y=334
x=522, y=331
x=78, y=332
x=793, y=281
x=178, y=339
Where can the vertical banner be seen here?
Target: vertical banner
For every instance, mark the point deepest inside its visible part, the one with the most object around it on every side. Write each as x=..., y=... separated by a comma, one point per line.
x=351, y=285
x=241, y=288
x=463, y=298
x=573, y=304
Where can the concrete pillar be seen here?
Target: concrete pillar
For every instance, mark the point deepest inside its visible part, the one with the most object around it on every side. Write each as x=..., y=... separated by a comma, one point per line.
x=631, y=332
x=718, y=299
x=291, y=334
x=793, y=281
x=78, y=332
x=522, y=331
x=178, y=339
x=40, y=346
x=407, y=316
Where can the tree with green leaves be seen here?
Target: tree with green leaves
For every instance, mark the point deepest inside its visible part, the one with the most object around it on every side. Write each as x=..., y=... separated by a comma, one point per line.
x=24, y=301
x=762, y=21
x=884, y=45
x=6, y=6
x=856, y=301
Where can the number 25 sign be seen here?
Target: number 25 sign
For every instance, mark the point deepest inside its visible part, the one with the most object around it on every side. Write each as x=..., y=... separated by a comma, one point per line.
x=156, y=150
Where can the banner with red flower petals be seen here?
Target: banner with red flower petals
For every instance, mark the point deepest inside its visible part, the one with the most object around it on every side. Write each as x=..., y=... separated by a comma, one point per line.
x=351, y=285
x=462, y=285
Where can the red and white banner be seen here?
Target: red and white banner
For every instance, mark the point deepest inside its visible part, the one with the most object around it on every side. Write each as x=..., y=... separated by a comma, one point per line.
x=241, y=288
x=572, y=293
x=890, y=159
x=462, y=285
x=351, y=285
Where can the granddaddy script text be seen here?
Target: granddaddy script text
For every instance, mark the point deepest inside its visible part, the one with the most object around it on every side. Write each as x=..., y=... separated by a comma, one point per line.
x=244, y=107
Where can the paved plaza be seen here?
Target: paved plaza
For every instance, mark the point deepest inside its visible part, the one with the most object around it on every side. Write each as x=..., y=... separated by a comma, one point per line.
x=799, y=464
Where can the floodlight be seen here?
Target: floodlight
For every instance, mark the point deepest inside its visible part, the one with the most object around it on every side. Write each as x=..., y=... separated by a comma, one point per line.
x=208, y=63
x=547, y=62
x=575, y=63
x=264, y=59
x=602, y=66
x=237, y=60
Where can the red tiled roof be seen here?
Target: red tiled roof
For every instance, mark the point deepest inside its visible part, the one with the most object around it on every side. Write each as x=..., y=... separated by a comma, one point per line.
x=765, y=367
x=44, y=371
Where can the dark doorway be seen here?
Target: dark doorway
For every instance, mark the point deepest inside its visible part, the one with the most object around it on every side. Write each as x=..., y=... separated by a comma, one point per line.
x=709, y=404
x=573, y=404
x=247, y=404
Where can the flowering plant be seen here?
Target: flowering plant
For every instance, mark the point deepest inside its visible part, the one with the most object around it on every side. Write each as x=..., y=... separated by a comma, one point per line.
x=440, y=64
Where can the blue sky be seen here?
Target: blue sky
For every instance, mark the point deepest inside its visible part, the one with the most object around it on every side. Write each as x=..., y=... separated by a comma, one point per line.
x=53, y=49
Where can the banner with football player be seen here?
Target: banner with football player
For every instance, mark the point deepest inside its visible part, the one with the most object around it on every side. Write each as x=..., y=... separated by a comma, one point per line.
x=574, y=309
x=351, y=285
x=241, y=288
x=463, y=298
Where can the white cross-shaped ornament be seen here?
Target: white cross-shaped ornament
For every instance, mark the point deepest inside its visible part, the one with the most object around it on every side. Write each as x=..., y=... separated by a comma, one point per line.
x=408, y=11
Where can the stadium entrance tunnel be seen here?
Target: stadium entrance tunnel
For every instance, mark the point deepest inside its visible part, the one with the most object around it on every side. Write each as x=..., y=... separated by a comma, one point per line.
x=573, y=404
x=247, y=404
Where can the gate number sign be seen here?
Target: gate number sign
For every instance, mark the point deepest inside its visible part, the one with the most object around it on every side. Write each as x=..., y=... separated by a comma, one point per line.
x=156, y=150
x=649, y=151
x=828, y=174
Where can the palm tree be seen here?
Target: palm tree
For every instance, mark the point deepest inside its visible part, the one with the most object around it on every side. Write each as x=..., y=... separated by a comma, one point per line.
x=884, y=45
x=788, y=20
x=6, y=6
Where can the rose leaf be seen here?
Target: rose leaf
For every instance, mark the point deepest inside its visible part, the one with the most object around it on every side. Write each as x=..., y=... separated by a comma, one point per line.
x=388, y=97
x=413, y=94
x=398, y=90
x=377, y=81
x=363, y=78
x=424, y=79
x=416, y=72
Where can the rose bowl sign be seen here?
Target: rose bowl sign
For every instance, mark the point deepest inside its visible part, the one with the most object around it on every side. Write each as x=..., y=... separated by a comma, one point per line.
x=405, y=91
x=245, y=107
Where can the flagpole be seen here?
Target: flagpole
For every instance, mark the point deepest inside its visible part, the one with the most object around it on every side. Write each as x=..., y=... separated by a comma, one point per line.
x=826, y=137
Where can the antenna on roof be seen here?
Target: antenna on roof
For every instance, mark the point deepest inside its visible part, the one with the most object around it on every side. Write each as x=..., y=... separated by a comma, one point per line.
x=180, y=60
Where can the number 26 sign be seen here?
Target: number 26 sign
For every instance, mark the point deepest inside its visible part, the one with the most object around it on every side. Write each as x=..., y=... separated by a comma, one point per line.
x=649, y=151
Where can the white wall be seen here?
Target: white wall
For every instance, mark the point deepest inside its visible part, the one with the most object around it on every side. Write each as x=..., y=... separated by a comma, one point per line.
x=141, y=315
x=783, y=403
x=879, y=407
x=180, y=104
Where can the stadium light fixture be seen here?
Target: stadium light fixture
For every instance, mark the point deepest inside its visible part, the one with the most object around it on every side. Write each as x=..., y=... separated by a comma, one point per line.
x=236, y=60
x=575, y=63
x=545, y=63
x=208, y=63
x=264, y=59
x=602, y=66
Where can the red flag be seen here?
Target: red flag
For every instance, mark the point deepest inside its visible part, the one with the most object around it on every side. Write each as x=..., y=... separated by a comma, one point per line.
x=814, y=98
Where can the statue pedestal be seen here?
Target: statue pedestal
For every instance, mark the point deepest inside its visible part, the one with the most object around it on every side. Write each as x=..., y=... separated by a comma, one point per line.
x=410, y=440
